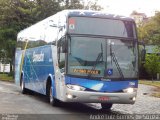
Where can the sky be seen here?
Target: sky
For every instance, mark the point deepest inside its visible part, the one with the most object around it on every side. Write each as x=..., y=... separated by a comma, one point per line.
x=125, y=7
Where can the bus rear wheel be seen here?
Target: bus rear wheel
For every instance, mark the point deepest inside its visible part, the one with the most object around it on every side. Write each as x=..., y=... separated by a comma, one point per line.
x=106, y=106
x=23, y=89
x=53, y=101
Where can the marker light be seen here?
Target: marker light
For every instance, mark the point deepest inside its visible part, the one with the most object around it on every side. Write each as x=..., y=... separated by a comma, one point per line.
x=75, y=87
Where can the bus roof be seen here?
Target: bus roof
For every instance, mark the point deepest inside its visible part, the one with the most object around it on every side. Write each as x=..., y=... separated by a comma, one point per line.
x=98, y=14
x=75, y=13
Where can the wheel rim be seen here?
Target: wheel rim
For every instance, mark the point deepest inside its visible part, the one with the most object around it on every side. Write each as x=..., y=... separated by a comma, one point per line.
x=50, y=95
x=22, y=86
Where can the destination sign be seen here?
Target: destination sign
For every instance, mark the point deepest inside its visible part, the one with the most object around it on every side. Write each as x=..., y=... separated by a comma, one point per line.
x=87, y=71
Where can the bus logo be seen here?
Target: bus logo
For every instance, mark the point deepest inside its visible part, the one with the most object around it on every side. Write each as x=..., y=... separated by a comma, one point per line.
x=109, y=72
x=38, y=57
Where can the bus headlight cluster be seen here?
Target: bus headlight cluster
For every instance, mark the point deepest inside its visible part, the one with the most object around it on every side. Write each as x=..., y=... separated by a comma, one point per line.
x=130, y=90
x=76, y=87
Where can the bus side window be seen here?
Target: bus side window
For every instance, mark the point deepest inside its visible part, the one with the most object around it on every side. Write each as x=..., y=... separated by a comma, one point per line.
x=61, y=53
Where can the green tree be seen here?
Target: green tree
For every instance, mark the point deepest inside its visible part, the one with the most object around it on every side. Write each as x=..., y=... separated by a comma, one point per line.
x=72, y=4
x=46, y=8
x=15, y=15
x=152, y=64
x=150, y=30
x=82, y=4
x=93, y=5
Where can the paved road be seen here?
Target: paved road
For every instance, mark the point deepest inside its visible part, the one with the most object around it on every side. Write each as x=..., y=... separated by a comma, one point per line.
x=13, y=102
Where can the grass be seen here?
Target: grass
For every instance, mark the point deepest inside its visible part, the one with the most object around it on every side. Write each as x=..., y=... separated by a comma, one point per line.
x=152, y=83
x=147, y=82
x=156, y=95
x=5, y=77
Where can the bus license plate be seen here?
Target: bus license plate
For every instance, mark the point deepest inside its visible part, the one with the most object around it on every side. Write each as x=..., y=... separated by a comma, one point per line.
x=103, y=98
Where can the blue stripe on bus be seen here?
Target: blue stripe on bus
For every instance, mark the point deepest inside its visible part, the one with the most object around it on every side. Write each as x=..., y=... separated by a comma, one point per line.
x=102, y=86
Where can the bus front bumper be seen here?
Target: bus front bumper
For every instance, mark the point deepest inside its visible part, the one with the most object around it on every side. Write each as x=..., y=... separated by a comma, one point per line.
x=99, y=97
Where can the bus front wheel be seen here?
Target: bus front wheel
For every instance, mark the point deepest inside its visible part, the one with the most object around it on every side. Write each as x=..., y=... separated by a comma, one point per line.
x=106, y=106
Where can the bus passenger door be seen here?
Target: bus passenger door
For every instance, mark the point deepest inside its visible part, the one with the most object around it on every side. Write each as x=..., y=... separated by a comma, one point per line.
x=61, y=64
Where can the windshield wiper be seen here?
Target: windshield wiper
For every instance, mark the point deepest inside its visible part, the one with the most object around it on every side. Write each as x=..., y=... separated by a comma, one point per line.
x=100, y=55
x=116, y=62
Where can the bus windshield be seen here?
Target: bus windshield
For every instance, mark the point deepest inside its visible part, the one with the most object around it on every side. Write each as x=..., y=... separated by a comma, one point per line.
x=99, y=26
x=100, y=57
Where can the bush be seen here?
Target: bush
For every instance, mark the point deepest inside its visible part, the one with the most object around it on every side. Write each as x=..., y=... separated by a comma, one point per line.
x=152, y=64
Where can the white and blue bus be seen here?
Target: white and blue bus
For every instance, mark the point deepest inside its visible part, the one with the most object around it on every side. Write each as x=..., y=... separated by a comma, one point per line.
x=80, y=56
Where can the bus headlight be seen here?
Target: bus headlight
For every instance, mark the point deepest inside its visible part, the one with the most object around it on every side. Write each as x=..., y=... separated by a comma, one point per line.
x=130, y=90
x=76, y=87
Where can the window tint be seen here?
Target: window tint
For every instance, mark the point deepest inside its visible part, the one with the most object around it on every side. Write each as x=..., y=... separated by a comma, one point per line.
x=98, y=26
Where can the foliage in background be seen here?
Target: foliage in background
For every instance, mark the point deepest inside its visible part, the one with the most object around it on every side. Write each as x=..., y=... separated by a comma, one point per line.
x=15, y=15
x=92, y=5
x=152, y=64
x=149, y=31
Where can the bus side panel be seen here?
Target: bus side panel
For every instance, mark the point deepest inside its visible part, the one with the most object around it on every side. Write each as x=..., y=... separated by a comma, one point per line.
x=38, y=64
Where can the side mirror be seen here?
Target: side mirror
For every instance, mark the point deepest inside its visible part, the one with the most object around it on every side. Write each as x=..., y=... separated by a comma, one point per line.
x=143, y=55
x=62, y=45
x=143, y=51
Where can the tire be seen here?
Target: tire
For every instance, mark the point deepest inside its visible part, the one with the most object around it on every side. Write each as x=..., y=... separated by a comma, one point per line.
x=23, y=89
x=106, y=106
x=53, y=101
